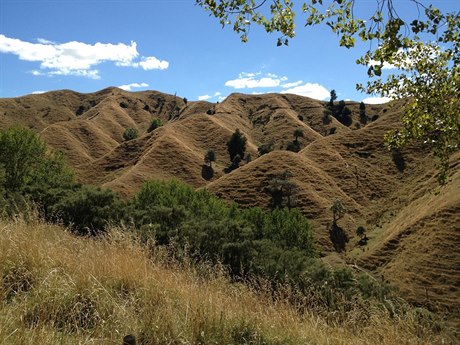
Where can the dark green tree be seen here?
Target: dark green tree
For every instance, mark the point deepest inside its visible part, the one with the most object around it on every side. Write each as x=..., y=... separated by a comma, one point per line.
x=236, y=145
x=362, y=113
x=209, y=157
x=338, y=210
x=361, y=232
x=282, y=190
x=332, y=99
x=298, y=133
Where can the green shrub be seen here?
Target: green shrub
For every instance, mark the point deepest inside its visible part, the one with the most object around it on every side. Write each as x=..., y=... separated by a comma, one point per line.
x=293, y=146
x=154, y=124
x=265, y=148
x=209, y=229
x=130, y=134
x=88, y=210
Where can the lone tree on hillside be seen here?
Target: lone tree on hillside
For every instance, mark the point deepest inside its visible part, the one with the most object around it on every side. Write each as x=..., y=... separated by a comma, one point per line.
x=298, y=133
x=338, y=210
x=210, y=157
x=361, y=232
x=332, y=99
x=362, y=113
x=282, y=190
x=424, y=49
x=236, y=145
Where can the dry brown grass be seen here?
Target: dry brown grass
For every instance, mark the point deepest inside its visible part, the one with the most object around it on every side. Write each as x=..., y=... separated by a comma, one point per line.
x=59, y=289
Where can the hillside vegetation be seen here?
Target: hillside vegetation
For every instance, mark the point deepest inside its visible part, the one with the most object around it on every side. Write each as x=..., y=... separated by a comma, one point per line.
x=59, y=289
x=321, y=154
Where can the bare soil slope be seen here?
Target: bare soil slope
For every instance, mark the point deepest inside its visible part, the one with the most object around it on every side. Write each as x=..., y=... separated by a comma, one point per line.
x=413, y=234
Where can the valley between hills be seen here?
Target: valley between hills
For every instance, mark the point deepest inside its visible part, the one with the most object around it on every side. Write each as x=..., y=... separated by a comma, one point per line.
x=412, y=224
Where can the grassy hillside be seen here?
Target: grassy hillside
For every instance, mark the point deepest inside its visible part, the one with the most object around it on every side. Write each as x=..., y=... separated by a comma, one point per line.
x=59, y=289
x=412, y=230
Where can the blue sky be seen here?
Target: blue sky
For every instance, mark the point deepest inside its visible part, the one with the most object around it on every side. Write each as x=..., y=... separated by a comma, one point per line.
x=171, y=46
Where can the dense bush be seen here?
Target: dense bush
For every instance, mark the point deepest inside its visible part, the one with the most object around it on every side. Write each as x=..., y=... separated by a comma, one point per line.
x=293, y=146
x=88, y=210
x=173, y=212
x=154, y=124
x=130, y=134
x=265, y=148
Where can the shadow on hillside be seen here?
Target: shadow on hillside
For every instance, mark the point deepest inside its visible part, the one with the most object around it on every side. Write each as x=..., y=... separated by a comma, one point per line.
x=339, y=237
x=207, y=172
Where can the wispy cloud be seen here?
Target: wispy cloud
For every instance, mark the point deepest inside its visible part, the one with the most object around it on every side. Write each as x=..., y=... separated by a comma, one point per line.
x=38, y=92
x=204, y=97
x=255, y=80
x=291, y=85
x=277, y=83
x=77, y=58
x=130, y=87
x=376, y=100
x=208, y=97
x=311, y=90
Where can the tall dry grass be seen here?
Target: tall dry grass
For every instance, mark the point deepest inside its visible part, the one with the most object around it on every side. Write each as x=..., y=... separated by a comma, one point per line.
x=59, y=289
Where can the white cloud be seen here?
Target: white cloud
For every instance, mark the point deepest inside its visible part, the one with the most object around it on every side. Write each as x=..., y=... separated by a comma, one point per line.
x=251, y=80
x=311, y=90
x=77, y=58
x=44, y=41
x=129, y=87
x=385, y=65
x=204, y=97
x=38, y=92
x=376, y=100
x=290, y=85
x=151, y=62
x=208, y=97
x=37, y=73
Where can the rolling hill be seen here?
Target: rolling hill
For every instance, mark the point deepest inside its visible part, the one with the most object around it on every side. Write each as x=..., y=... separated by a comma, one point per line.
x=413, y=231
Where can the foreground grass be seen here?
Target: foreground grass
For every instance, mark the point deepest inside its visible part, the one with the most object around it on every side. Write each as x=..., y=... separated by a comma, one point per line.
x=59, y=289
